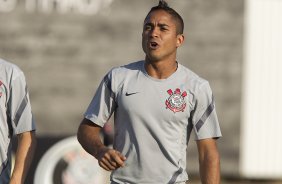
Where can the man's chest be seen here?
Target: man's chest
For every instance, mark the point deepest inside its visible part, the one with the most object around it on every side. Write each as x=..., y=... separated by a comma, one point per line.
x=163, y=102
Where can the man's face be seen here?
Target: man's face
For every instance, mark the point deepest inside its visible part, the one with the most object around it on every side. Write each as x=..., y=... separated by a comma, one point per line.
x=159, y=38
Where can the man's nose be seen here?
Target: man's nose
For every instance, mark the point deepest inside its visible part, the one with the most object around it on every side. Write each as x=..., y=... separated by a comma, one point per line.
x=155, y=32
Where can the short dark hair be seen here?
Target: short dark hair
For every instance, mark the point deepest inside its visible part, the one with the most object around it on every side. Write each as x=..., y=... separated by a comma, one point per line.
x=164, y=6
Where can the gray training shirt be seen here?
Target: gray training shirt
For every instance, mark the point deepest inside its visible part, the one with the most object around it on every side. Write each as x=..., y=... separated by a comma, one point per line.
x=15, y=113
x=153, y=120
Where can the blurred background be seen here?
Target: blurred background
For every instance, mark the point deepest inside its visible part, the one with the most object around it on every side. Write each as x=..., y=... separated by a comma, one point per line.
x=65, y=47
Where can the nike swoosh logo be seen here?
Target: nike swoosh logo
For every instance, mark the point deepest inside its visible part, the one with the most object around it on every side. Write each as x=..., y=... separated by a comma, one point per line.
x=128, y=94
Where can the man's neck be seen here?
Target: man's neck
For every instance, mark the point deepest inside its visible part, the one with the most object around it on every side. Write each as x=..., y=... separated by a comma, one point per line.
x=160, y=69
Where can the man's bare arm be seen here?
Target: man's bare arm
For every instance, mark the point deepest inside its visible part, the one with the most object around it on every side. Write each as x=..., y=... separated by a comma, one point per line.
x=24, y=156
x=88, y=136
x=209, y=161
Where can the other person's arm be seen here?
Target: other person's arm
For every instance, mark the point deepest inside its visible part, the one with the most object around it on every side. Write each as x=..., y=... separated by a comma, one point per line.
x=24, y=156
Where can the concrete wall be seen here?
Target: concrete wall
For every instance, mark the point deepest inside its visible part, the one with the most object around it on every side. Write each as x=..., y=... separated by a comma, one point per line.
x=64, y=57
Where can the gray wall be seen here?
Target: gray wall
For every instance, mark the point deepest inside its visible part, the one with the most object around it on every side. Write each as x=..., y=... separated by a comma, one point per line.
x=64, y=57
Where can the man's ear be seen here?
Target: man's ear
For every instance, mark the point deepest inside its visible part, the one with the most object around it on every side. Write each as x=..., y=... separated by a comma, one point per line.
x=179, y=40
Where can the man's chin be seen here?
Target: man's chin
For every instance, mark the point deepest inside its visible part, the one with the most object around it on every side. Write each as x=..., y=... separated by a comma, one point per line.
x=153, y=58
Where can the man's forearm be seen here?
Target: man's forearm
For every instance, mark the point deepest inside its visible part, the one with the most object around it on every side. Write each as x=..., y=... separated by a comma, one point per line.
x=209, y=161
x=24, y=156
x=88, y=136
x=210, y=169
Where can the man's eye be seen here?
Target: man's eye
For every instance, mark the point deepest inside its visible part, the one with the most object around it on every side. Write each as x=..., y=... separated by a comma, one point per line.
x=148, y=28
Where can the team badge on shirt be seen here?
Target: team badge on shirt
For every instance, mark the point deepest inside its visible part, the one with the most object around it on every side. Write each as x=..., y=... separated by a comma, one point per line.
x=176, y=100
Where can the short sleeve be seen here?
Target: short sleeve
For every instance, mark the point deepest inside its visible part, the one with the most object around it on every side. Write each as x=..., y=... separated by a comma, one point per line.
x=205, y=121
x=19, y=107
x=103, y=103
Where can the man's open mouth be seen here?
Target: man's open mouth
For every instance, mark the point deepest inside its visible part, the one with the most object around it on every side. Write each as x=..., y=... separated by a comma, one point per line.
x=154, y=45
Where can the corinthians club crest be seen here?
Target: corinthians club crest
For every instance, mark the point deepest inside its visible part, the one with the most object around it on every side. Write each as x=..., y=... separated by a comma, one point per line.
x=176, y=101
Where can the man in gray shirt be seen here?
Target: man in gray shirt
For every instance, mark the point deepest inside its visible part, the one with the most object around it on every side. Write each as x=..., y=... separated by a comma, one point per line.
x=15, y=119
x=156, y=102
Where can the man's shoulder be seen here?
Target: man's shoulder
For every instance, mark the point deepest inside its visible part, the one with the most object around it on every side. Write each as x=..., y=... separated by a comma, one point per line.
x=192, y=76
x=195, y=82
x=128, y=68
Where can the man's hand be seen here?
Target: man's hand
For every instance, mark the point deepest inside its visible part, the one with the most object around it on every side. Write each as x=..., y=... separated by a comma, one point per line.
x=110, y=159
